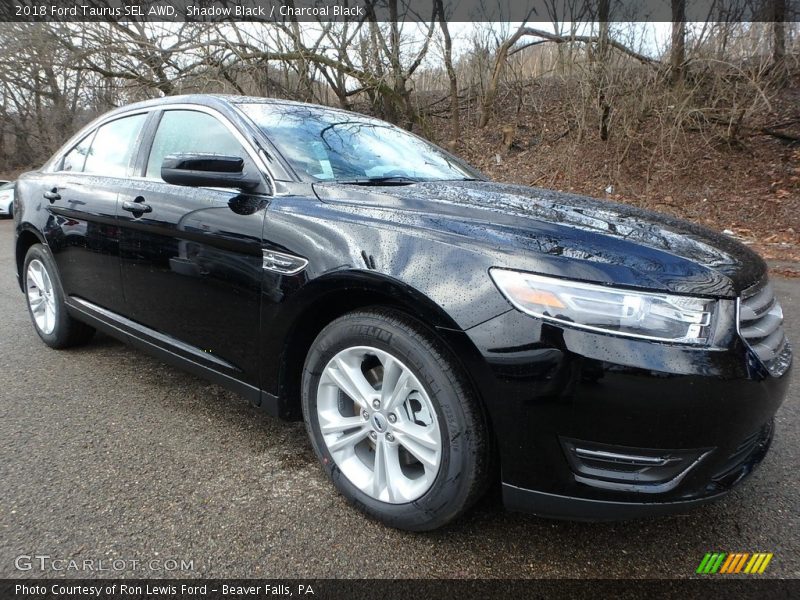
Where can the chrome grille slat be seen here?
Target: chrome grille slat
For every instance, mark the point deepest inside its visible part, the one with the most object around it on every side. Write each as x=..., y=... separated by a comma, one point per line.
x=758, y=300
x=751, y=314
x=761, y=327
x=770, y=347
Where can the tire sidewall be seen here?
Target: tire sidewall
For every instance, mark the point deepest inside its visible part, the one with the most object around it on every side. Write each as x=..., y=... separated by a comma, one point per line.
x=42, y=253
x=448, y=494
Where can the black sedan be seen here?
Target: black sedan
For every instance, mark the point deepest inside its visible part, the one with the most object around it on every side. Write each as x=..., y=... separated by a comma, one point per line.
x=436, y=331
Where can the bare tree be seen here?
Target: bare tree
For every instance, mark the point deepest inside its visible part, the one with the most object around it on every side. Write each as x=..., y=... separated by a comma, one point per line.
x=677, y=55
x=40, y=95
x=56, y=76
x=503, y=51
x=601, y=70
x=455, y=113
x=778, y=33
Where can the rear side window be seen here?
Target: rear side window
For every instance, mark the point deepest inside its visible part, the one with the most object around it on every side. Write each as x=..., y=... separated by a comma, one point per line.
x=183, y=131
x=76, y=158
x=112, y=148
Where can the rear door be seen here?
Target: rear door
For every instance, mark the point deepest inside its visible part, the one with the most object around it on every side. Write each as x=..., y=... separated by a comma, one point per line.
x=81, y=197
x=191, y=258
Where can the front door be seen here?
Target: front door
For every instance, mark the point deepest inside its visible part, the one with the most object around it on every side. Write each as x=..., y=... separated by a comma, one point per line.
x=191, y=258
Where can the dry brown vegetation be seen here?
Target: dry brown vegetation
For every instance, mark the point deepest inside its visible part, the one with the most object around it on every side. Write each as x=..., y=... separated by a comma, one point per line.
x=750, y=188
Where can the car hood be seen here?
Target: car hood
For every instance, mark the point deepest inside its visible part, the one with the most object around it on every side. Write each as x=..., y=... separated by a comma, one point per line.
x=570, y=235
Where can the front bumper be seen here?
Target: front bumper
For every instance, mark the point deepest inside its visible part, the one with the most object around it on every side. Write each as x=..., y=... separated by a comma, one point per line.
x=590, y=426
x=589, y=509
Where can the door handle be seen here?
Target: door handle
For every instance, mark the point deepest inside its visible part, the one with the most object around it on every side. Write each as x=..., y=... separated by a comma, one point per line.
x=137, y=206
x=52, y=195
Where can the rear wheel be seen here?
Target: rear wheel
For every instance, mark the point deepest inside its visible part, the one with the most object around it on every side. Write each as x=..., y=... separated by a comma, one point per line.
x=46, y=302
x=393, y=421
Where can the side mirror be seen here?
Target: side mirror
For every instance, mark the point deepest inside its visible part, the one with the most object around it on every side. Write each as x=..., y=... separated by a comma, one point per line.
x=207, y=170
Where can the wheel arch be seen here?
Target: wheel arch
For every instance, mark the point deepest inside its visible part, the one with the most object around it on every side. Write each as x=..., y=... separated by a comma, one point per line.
x=26, y=238
x=331, y=296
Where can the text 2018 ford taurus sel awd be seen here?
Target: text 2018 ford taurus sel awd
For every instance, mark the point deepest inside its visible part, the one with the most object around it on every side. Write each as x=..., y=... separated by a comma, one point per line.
x=433, y=329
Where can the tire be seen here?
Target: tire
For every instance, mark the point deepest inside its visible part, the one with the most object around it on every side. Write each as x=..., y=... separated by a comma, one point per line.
x=49, y=314
x=430, y=429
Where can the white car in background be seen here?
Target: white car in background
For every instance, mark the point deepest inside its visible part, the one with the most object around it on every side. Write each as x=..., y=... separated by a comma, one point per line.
x=6, y=198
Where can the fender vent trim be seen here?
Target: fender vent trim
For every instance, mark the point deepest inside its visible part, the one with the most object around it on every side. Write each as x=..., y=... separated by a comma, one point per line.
x=285, y=264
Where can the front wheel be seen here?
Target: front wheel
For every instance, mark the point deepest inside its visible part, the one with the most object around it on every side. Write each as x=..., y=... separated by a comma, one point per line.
x=46, y=305
x=393, y=420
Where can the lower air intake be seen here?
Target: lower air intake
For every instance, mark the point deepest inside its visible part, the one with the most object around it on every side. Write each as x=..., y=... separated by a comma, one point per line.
x=622, y=468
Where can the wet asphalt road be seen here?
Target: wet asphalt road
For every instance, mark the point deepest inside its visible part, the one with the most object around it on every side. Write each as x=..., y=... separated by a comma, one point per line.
x=109, y=454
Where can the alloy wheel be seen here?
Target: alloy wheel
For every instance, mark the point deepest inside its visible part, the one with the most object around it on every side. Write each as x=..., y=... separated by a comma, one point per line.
x=41, y=296
x=379, y=424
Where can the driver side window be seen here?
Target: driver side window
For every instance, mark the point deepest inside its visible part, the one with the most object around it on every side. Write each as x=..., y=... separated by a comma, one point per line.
x=76, y=158
x=183, y=131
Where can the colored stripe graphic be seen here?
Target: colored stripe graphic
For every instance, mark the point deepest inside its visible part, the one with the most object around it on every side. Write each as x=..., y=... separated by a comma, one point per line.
x=758, y=563
x=719, y=562
x=711, y=563
x=731, y=562
x=703, y=563
x=764, y=564
x=728, y=562
x=741, y=562
x=735, y=562
x=754, y=563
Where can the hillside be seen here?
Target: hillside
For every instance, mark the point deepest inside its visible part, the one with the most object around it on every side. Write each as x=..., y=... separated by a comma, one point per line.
x=750, y=188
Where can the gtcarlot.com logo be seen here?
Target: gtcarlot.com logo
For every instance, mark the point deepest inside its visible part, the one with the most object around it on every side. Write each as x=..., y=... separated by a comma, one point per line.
x=45, y=562
x=734, y=562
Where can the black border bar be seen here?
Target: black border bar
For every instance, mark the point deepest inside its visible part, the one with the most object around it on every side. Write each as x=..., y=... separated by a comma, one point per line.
x=266, y=11
x=706, y=587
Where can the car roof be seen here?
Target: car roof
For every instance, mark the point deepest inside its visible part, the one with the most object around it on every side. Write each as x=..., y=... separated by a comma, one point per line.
x=216, y=100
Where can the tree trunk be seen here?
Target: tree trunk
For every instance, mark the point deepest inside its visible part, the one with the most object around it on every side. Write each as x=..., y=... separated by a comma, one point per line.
x=678, y=50
x=455, y=117
x=778, y=33
x=487, y=105
x=601, y=70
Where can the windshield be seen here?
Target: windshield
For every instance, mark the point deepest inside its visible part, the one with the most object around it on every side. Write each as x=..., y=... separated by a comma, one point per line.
x=334, y=145
x=7, y=186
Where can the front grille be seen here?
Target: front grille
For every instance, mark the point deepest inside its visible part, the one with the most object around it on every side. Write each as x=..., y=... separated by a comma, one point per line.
x=761, y=326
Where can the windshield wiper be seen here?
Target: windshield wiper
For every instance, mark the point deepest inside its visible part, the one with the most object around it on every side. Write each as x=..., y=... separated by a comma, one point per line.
x=395, y=180
x=388, y=180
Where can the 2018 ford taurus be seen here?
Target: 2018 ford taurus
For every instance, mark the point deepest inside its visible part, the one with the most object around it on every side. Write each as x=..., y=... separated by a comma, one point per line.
x=435, y=330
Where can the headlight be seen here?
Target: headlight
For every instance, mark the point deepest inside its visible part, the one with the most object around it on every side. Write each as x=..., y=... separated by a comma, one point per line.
x=652, y=316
